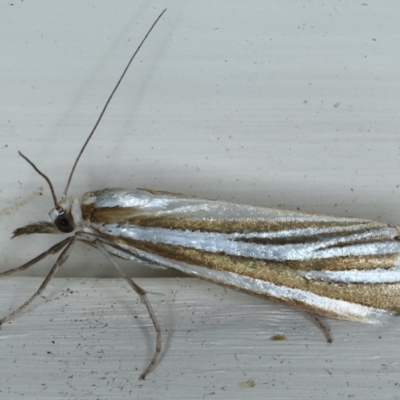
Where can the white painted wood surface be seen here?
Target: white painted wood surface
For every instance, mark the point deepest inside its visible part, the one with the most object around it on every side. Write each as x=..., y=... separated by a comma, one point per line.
x=282, y=104
x=90, y=339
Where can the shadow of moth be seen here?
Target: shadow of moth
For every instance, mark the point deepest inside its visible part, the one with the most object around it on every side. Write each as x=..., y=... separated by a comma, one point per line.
x=343, y=268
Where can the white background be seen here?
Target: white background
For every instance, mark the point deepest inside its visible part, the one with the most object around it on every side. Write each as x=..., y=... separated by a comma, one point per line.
x=291, y=104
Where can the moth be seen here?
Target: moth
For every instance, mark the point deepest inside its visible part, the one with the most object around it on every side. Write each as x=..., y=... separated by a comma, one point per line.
x=338, y=267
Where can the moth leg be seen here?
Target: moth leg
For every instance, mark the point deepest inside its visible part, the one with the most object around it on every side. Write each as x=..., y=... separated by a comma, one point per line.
x=60, y=261
x=52, y=250
x=144, y=299
x=323, y=328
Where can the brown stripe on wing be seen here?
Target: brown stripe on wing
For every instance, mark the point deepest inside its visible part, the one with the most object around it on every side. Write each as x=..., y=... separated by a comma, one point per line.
x=138, y=216
x=342, y=239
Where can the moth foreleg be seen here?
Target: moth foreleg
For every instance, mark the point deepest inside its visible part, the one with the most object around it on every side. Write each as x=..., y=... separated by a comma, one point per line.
x=60, y=261
x=52, y=250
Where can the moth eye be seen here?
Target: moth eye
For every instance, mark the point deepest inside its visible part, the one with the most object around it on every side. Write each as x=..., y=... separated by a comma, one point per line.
x=64, y=223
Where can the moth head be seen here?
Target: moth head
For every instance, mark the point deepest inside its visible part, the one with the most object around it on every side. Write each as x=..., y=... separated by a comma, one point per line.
x=60, y=219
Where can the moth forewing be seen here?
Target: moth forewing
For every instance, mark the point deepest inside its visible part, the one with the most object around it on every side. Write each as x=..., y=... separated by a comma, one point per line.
x=345, y=268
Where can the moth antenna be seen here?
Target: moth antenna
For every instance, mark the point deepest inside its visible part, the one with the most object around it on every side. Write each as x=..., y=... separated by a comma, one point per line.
x=44, y=176
x=106, y=105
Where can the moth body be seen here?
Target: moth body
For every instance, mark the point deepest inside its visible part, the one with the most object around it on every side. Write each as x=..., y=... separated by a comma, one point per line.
x=340, y=267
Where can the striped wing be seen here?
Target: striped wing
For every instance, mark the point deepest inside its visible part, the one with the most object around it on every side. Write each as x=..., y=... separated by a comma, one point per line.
x=342, y=267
